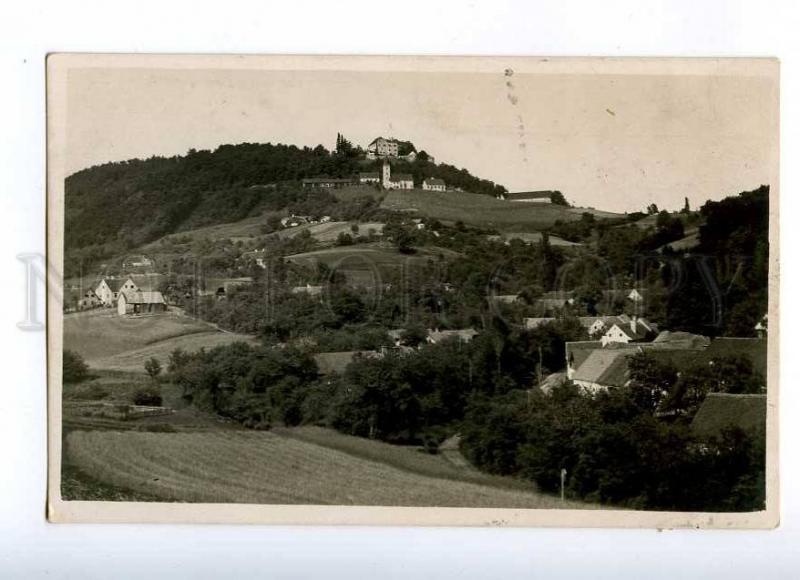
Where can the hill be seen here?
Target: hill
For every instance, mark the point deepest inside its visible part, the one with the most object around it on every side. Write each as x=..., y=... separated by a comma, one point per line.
x=280, y=468
x=481, y=210
x=113, y=208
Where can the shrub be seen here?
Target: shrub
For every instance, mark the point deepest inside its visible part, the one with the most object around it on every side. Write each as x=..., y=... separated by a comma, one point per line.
x=74, y=367
x=147, y=396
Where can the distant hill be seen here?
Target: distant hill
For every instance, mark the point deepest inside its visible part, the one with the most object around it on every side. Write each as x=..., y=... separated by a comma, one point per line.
x=112, y=208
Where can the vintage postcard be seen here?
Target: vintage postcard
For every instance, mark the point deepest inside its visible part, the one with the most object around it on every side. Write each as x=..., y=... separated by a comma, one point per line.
x=413, y=290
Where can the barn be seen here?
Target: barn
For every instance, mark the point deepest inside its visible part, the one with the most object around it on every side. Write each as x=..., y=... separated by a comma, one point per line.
x=131, y=302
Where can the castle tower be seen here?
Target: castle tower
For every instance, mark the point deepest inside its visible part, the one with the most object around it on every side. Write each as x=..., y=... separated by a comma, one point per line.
x=387, y=174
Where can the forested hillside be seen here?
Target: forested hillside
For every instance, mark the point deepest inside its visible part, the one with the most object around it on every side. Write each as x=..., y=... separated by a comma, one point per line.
x=113, y=207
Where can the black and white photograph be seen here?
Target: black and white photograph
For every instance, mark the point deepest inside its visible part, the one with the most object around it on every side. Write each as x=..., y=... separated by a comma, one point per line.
x=542, y=291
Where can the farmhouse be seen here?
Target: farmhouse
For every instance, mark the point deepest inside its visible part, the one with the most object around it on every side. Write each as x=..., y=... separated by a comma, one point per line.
x=434, y=184
x=504, y=298
x=329, y=182
x=637, y=330
x=399, y=181
x=293, y=221
x=135, y=302
x=595, y=366
x=550, y=302
x=463, y=335
x=308, y=289
x=88, y=300
x=530, y=197
x=107, y=290
x=531, y=323
x=137, y=261
x=370, y=178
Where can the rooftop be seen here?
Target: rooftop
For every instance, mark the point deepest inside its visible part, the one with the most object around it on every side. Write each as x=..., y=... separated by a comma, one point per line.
x=722, y=410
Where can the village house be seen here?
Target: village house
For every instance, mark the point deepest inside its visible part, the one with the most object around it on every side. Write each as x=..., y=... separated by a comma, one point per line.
x=637, y=330
x=293, y=221
x=372, y=178
x=398, y=181
x=463, y=335
x=88, y=300
x=136, y=302
x=532, y=323
x=329, y=182
x=504, y=298
x=434, y=184
x=308, y=289
x=594, y=366
x=529, y=196
x=220, y=287
x=137, y=261
x=551, y=302
x=107, y=290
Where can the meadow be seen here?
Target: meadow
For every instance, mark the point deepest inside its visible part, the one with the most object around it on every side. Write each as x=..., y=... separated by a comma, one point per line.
x=483, y=210
x=108, y=341
x=283, y=468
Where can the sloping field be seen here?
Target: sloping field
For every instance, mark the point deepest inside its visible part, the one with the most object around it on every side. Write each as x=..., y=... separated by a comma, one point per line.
x=480, y=210
x=106, y=340
x=367, y=264
x=328, y=232
x=242, y=230
x=534, y=238
x=265, y=467
x=133, y=360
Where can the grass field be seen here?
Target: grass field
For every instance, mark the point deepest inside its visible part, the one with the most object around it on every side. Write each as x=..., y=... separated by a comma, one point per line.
x=330, y=231
x=367, y=264
x=281, y=468
x=108, y=341
x=482, y=210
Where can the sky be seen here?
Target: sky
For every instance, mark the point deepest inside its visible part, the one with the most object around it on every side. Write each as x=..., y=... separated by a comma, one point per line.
x=617, y=142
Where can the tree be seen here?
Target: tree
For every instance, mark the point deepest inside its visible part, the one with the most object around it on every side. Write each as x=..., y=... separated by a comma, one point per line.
x=558, y=198
x=686, y=208
x=74, y=367
x=652, y=209
x=153, y=367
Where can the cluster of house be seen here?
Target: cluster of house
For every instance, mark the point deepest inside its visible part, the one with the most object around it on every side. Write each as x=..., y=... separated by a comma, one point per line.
x=386, y=149
x=293, y=221
x=131, y=294
x=336, y=362
x=556, y=301
x=385, y=179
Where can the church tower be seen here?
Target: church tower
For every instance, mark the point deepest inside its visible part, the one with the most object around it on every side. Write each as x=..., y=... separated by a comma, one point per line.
x=387, y=174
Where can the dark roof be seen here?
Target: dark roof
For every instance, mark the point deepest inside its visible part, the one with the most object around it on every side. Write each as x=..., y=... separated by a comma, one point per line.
x=114, y=283
x=579, y=351
x=143, y=297
x=754, y=349
x=681, y=340
x=605, y=366
x=434, y=181
x=522, y=195
x=402, y=177
x=722, y=410
x=313, y=180
x=369, y=174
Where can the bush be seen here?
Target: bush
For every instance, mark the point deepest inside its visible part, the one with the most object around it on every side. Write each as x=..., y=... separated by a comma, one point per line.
x=75, y=369
x=147, y=396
